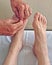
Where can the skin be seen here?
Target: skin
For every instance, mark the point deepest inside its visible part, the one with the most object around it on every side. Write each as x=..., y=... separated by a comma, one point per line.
x=16, y=44
x=40, y=48
x=10, y=26
x=15, y=47
x=20, y=9
x=40, y=45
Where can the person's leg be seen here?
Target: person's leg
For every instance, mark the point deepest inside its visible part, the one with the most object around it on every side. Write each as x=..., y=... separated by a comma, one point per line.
x=15, y=48
x=40, y=44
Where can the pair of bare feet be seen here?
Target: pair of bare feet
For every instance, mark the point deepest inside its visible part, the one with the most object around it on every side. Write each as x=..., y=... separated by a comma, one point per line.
x=40, y=44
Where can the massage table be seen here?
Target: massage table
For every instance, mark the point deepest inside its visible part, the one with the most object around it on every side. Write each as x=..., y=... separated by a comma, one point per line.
x=26, y=56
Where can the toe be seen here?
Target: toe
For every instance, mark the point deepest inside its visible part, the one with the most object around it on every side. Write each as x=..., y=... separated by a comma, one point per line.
x=40, y=17
x=45, y=20
x=36, y=16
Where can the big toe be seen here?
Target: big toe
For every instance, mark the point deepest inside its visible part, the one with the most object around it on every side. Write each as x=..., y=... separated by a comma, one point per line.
x=36, y=16
x=36, y=20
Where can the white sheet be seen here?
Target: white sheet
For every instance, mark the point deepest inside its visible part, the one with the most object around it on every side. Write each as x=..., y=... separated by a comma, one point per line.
x=26, y=56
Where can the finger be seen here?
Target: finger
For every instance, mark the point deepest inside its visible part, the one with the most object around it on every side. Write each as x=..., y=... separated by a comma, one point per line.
x=21, y=12
x=14, y=17
x=16, y=11
x=17, y=25
x=20, y=7
x=17, y=29
x=13, y=21
x=21, y=27
x=26, y=11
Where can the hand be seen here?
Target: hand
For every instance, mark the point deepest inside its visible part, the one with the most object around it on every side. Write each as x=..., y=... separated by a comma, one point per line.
x=10, y=26
x=21, y=10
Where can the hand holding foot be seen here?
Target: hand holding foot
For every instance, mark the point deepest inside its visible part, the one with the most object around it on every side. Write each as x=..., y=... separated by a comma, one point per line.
x=15, y=47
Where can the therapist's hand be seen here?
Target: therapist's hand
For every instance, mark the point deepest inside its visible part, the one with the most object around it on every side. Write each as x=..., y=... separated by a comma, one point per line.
x=21, y=9
x=10, y=27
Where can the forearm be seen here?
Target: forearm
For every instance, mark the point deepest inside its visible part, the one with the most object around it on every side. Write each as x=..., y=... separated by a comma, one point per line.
x=12, y=55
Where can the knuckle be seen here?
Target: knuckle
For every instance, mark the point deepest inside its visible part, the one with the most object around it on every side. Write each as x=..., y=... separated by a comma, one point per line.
x=22, y=6
x=14, y=28
x=27, y=6
x=13, y=32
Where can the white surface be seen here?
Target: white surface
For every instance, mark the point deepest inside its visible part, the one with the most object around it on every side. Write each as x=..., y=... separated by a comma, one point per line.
x=26, y=56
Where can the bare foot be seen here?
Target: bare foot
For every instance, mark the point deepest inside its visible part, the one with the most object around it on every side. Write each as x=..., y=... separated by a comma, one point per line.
x=18, y=38
x=40, y=45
